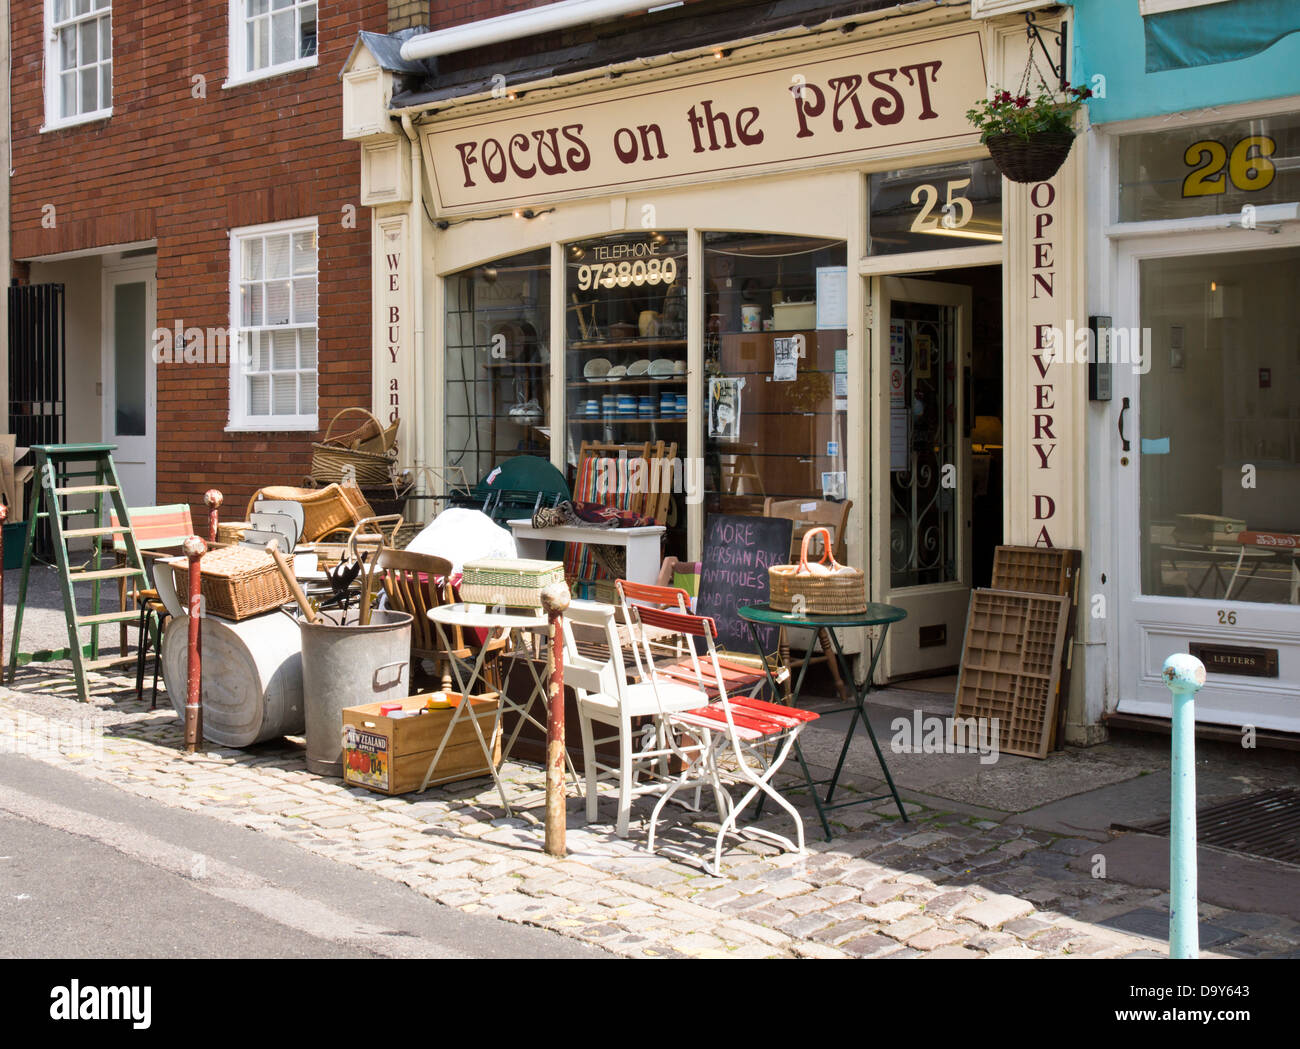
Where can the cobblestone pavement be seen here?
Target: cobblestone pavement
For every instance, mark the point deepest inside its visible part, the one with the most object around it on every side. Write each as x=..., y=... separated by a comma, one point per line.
x=942, y=885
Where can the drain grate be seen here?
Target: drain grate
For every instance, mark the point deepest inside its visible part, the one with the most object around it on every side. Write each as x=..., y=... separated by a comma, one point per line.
x=1265, y=824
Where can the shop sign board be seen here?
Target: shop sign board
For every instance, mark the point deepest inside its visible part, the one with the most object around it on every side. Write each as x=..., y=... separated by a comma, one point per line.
x=839, y=105
x=1049, y=384
x=393, y=355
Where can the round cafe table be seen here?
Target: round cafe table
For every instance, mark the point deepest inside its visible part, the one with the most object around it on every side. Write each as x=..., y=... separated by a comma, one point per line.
x=876, y=615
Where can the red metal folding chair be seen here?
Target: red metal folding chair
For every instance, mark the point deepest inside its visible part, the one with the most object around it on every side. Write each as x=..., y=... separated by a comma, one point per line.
x=737, y=676
x=746, y=740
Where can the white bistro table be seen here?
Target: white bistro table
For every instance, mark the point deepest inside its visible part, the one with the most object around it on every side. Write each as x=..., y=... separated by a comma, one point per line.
x=478, y=617
x=642, y=544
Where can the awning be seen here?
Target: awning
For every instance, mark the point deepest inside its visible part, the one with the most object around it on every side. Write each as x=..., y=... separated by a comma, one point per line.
x=1206, y=35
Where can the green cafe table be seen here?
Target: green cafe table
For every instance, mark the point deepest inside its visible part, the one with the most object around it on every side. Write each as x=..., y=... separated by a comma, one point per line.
x=876, y=615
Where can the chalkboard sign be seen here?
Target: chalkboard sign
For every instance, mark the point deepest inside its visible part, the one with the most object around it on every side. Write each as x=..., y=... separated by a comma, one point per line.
x=737, y=554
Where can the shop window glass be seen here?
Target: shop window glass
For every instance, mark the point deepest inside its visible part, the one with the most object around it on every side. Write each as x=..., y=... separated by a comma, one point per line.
x=626, y=384
x=926, y=209
x=1220, y=427
x=775, y=370
x=497, y=401
x=1211, y=169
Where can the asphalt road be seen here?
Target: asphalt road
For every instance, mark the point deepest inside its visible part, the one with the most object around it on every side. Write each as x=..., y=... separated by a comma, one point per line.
x=89, y=871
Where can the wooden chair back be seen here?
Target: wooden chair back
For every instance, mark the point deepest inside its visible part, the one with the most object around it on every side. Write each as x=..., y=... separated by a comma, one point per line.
x=812, y=513
x=416, y=583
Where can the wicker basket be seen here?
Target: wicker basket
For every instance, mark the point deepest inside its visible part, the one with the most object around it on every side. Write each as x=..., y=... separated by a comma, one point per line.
x=236, y=582
x=231, y=531
x=509, y=582
x=844, y=593
x=1033, y=159
x=331, y=462
x=324, y=509
x=368, y=437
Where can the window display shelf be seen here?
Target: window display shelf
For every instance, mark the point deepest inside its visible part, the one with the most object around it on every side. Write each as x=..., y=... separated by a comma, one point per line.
x=677, y=380
x=626, y=420
x=627, y=344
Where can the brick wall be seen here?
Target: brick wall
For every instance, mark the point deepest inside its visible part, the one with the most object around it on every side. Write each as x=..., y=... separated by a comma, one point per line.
x=403, y=14
x=456, y=12
x=184, y=170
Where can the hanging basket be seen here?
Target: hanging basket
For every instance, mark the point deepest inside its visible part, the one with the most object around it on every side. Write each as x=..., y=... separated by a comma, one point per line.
x=1033, y=159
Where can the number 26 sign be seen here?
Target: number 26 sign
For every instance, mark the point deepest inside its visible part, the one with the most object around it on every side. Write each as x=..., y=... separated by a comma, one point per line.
x=1243, y=163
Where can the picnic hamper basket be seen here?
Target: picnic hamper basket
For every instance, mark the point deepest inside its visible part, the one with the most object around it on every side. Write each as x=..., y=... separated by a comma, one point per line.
x=334, y=461
x=236, y=582
x=837, y=590
x=508, y=581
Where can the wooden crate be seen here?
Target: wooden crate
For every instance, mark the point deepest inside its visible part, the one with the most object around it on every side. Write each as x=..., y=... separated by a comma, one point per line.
x=1011, y=666
x=1041, y=570
x=391, y=755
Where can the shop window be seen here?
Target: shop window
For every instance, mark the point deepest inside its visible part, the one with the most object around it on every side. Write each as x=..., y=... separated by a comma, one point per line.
x=926, y=209
x=271, y=36
x=498, y=372
x=1228, y=168
x=1220, y=433
x=775, y=370
x=273, y=327
x=625, y=395
x=78, y=60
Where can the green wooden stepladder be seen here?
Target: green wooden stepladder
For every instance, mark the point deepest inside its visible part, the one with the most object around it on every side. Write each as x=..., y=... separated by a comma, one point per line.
x=64, y=470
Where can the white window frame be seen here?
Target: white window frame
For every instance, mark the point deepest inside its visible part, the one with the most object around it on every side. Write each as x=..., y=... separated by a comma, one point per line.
x=238, y=72
x=54, y=70
x=1159, y=7
x=240, y=417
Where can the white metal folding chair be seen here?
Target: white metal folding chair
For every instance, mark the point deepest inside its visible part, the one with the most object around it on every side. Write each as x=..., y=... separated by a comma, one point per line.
x=604, y=696
x=737, y=732
x=739, y=674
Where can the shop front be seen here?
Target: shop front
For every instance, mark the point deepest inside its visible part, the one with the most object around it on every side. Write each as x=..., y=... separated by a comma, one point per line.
x=1206, y=257
x=781, y=270
x=1196, y=251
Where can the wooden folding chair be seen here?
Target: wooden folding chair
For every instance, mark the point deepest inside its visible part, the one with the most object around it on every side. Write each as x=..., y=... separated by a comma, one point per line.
x=415, y=583
x=608, y=474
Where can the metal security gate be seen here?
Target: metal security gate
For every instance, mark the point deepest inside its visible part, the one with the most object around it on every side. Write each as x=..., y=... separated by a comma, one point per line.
x=37, y=372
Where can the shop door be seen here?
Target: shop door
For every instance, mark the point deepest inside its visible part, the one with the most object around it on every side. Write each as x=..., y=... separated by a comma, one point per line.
x=921, y=494
x=130, y=378
x=1207, y=456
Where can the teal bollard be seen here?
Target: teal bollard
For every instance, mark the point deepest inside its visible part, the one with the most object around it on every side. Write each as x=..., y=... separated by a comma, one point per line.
x=1184, y=675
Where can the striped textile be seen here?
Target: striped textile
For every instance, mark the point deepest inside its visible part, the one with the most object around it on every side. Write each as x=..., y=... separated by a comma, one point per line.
x=590, y=486
x=155, y=527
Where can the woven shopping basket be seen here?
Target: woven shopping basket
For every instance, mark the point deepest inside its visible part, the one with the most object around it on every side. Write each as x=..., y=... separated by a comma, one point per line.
x=236, y=582
x=794, y=588
x=332, y=461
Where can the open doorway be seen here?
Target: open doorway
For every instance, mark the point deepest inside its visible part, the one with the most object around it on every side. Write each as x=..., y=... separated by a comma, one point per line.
x=938, y=501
